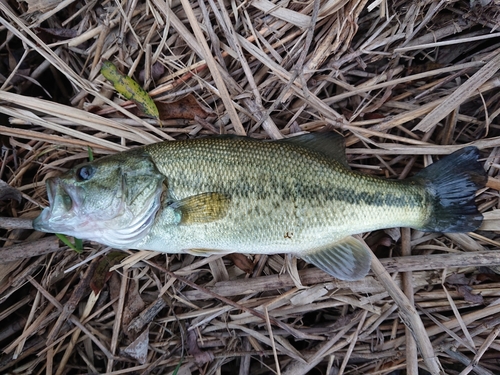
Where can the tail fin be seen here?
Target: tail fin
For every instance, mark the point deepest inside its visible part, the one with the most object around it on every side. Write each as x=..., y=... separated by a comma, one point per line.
x=452, y=183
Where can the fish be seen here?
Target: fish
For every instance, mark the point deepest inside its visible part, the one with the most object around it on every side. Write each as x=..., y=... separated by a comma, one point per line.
x=226, y=194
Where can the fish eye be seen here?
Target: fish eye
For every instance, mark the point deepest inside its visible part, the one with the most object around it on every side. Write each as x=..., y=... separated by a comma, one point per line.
x=85, y=173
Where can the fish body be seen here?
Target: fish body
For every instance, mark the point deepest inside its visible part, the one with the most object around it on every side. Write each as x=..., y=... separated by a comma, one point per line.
x=236, y=194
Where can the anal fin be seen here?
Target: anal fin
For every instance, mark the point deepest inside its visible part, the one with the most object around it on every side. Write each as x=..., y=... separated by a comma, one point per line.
x=206, y=252
x=348, y=259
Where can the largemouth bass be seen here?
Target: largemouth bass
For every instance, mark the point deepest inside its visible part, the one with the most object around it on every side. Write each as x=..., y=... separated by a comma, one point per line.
x=236, y=194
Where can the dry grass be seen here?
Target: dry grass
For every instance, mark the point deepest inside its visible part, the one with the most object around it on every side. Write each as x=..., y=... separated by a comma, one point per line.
x=403, y=81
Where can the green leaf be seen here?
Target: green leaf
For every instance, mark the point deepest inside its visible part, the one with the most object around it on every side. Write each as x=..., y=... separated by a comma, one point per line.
x=102, y=274
x=91, y=154
x=130, y=89
x=78, y=246
x=178, y=366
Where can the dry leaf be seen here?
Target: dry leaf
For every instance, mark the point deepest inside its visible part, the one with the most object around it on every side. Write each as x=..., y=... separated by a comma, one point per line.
x=458, y=279
x=133, y=305
x=242, y=262
x=461, y=283
x=138, y=349
x=465, y=291
x=186, y=108
x=200, y=356
x=102, y=274
x=157, y=71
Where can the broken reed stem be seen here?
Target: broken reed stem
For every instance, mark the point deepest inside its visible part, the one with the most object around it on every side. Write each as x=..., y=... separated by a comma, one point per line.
x=409, y=316
x=27, y=250
x=15, y=223
x=72, y=318
x=292, y=331
x=119, y=315
x=214, y=69
x=411, y=348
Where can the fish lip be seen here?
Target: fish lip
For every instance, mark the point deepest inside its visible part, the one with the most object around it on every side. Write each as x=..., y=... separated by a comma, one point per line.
x=54, y=217
x=50, y=185
x=41, y=222
x=55, y=186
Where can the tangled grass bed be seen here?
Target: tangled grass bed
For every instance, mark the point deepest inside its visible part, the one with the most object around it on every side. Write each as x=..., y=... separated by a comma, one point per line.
x=404, y=82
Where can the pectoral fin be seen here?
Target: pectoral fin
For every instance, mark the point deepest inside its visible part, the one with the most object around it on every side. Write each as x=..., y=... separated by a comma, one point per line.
x=348, y=259
x=202, y=208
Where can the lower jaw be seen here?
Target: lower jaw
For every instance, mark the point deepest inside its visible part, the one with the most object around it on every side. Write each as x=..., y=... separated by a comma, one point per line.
x=39, y=223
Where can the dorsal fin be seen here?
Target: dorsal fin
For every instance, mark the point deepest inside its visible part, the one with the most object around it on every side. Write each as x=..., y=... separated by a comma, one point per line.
x=329, y=144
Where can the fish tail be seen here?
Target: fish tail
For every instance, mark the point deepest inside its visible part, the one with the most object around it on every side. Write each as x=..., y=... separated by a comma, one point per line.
x=451, y=184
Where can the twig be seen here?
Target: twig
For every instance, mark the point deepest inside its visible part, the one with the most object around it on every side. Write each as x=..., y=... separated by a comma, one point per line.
x=410, y=317
x=27, y=250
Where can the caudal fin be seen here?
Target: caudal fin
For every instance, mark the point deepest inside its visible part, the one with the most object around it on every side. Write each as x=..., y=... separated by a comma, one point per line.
x=452, y=183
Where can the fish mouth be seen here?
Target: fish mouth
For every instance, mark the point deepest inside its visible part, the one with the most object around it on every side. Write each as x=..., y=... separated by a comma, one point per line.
x=61, y=209
x=50, y=185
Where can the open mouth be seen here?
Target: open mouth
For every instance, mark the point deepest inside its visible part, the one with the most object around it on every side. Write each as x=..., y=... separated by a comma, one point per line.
x=59, y=198
x=51, y=190
x=60, y=208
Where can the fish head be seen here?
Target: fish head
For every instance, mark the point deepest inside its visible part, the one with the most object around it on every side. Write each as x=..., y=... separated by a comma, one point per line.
x=112, y=200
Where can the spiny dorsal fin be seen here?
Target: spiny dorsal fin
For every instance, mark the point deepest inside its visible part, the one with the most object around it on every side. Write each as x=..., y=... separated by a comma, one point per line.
x=329, y=144
x=202, y=208
x=348, y=259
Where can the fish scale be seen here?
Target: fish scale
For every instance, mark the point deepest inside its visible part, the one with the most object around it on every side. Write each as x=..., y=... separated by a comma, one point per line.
x=299, y=191
x=236, y=194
